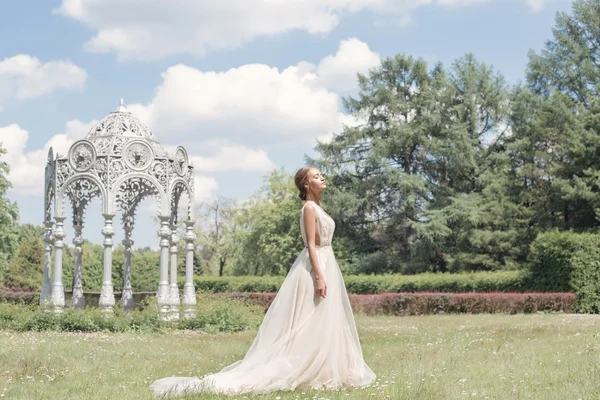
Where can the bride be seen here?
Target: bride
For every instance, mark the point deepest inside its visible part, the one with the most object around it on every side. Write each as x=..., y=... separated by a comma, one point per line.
x=308, y=338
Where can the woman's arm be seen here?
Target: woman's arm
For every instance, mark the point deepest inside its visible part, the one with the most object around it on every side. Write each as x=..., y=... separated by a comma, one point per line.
x=310, y=228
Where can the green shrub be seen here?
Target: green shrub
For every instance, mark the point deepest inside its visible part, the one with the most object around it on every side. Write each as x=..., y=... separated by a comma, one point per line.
x=228, y=284
x=567, y=262
x=212, y=285
x=223, y=315
x=38, y=321
x=365, y=284
x=212, y=315
x=373, y=263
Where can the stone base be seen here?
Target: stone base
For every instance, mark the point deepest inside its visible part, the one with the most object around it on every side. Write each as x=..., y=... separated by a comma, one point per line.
x=174, y=301
x=78, y=300
x=127, y=299
x=107, y=297
x=174, y=314
x=189, y=295
x=57, y=298
x=163, y=297
x=46, y=293
x=169, y=315
x=189, y=312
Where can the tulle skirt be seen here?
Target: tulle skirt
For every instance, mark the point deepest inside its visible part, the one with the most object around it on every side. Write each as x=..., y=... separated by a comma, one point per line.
x=304, y=342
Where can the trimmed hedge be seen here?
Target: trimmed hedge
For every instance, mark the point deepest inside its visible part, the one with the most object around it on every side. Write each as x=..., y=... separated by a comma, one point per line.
x=19, y=296
x=500, y=281
x=225, y=312
x=440, y=303
x=570, y=262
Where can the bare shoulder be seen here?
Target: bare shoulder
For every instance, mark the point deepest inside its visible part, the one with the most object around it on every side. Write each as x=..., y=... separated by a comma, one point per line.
x=309, y=208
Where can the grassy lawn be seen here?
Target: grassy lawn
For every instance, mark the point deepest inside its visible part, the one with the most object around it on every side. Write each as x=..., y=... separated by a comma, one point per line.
x=428, y=357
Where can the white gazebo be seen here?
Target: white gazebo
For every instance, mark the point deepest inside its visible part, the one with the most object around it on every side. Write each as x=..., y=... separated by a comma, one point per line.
x=121, y=162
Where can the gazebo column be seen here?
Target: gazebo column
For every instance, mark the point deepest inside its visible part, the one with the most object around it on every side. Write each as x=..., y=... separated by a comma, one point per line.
x=189, y=292
x=107, y=296
x=78, y=300
x=173, y=289
x=58, y=289
x=163, y=294
x=127, y=293
x=47, y=283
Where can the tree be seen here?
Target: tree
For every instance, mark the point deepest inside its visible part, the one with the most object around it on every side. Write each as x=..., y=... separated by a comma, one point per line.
x=383, y=163
x=216, y=232
x=24, y=270
x=269, y=234
x=570, y=62
x=468, y=212
x=427, y=142
x=9, y=215
x=561, y=164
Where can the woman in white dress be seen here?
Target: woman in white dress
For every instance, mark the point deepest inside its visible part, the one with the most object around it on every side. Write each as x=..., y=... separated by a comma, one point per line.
x=308, y=337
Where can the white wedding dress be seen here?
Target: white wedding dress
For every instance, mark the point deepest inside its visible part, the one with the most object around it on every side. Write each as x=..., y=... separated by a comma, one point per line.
x=304, y=342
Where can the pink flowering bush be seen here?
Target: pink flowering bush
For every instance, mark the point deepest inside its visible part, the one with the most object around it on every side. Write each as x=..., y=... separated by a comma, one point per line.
x=421, y=303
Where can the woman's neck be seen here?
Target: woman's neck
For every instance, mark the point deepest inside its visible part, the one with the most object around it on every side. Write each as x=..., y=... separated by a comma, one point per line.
x=316, y=200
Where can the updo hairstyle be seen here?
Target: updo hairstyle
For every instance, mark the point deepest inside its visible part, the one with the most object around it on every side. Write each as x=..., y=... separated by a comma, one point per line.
x=301, y=179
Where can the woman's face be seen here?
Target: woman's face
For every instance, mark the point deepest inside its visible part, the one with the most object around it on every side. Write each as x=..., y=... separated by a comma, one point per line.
x=316, y=181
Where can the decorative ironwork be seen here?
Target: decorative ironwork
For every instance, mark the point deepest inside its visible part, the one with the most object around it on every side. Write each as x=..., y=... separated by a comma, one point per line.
x=81, y=192
x=130, y=195
x=190, y=179
x=181, y=161
x=121, y=123
x=117, y=169
x=82, y=155
x=63, y=172
x=100, y=169
x=118, y=144
x=49, y=186
x=159, y=172
x=138, y=155
x=178, y=189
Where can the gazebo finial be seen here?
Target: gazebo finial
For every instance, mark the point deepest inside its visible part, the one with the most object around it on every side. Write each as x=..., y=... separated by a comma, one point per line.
x=121, y=107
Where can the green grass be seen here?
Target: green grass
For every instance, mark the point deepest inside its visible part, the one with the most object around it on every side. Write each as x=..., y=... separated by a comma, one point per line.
x=543, y=356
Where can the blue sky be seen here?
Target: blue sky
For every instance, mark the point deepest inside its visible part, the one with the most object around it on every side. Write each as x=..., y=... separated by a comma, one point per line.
x=245, y=86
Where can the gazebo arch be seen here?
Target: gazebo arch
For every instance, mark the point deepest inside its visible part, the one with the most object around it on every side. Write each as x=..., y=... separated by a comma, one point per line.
x=122, y=162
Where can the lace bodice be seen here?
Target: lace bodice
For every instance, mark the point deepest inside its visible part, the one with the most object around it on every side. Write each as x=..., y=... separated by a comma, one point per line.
x=325, y=225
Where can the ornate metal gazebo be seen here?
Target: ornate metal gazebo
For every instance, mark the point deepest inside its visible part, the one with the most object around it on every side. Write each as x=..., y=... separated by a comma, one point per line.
x=121, y=162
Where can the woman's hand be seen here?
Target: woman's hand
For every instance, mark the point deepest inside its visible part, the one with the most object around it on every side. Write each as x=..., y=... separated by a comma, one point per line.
x=321, y=287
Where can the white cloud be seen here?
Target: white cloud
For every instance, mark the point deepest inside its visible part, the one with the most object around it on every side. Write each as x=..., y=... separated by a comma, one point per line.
x=25, y=77
x=205, y=188
x=461, y=2
x=154, y=29
x=254, y=105
x=338, y=71
x=350, y=121
x=230, y=157
x=27, y=167
x=536, y=5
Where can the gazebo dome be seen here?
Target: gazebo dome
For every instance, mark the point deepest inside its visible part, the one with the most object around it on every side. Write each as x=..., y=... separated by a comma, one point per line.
x=121, y=123
x=117, y=128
